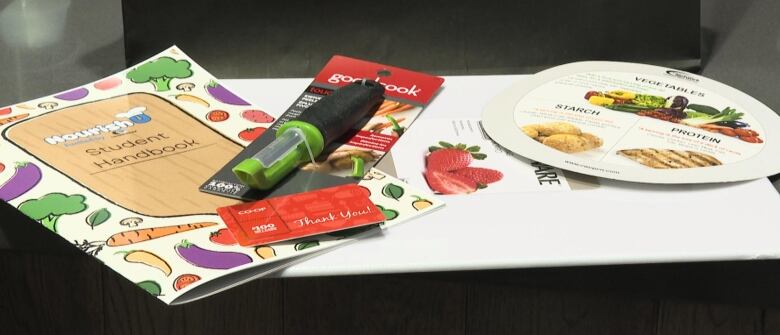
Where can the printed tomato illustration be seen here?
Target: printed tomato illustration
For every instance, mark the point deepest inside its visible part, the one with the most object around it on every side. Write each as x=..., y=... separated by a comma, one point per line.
x=251, y=134
x=223, y=237
x=217, y=115
x=256, y=115
x=108, y=83
x=2, y=167
x=4, y=111
x=184, y=281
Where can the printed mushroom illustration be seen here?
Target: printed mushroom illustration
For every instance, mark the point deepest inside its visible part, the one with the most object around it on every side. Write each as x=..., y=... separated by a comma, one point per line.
x=48, y=105
x=185, y=87
x=131, y=222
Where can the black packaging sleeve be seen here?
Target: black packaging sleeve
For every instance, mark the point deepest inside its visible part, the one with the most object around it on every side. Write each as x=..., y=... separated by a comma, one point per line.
x=344, y=109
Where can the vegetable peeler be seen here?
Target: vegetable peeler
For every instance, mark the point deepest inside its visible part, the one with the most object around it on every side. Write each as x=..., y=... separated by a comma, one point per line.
x=305, y=137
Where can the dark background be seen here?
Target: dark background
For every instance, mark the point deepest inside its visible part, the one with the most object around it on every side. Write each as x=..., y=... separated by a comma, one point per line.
x=296, y=38
x=49, y=287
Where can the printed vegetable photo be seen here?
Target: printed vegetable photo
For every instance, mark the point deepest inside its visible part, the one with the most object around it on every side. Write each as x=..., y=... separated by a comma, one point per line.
x=677, y=109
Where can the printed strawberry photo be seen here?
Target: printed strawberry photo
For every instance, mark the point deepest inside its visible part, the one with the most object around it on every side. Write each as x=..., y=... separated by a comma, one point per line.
x=449, y=170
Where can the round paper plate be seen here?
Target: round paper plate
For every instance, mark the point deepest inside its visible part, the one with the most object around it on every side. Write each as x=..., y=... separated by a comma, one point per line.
x=636, y=122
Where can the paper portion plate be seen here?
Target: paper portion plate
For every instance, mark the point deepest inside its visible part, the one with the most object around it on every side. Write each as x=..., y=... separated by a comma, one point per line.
x=638, y=123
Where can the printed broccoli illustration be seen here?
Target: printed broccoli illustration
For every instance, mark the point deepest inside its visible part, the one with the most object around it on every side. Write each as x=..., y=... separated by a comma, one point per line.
x=49, y=208
x=159, y=72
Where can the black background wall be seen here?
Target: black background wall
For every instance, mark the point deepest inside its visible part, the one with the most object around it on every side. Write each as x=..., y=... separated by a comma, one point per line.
x=250, y=39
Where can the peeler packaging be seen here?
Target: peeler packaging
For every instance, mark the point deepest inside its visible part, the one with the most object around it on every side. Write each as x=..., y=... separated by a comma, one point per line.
x=407, y=93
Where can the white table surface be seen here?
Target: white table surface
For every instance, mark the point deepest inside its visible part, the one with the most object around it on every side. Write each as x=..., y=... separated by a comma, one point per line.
x=617, y=223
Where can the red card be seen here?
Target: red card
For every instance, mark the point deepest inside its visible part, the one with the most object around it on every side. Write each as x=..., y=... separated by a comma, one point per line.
x=301, y=214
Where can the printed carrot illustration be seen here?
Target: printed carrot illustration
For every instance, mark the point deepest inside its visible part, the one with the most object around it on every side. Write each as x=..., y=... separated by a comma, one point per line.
x=13, y=118
x=138, y=235
x=147, y=258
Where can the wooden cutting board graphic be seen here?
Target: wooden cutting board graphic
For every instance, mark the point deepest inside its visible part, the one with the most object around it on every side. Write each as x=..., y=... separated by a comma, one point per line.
x=138, y=151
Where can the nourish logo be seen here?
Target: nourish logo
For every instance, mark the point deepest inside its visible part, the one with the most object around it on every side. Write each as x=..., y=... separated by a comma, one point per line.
x=136, y=115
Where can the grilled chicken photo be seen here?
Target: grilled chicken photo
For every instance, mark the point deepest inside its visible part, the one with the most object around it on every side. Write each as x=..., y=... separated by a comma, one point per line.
x=669, y=159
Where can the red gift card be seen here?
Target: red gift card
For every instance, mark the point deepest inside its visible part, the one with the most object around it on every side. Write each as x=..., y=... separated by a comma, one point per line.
x=299, y=215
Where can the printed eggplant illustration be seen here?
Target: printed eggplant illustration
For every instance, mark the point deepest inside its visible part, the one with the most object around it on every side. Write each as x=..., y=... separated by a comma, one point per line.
x=210, y=259
x=219, y=92
x=25, y=177
x=73, y=95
